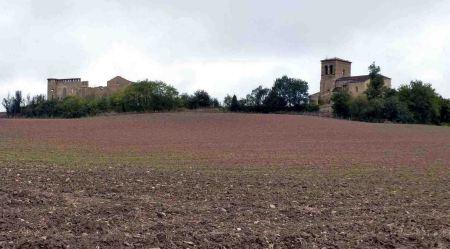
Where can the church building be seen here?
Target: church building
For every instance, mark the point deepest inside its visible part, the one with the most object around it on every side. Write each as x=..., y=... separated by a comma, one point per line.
x=336, y=74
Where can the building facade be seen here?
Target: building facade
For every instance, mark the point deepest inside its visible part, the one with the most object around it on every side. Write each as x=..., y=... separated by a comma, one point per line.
x=61, y=88
x=336, y=74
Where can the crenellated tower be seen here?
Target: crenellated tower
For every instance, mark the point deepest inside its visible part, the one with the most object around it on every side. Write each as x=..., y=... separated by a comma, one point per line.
x=52, y=86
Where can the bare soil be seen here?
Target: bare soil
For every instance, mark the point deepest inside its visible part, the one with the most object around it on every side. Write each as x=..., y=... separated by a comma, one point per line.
x=206, y=180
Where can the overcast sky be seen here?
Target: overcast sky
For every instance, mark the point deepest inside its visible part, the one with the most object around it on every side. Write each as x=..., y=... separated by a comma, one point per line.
x=220, y=46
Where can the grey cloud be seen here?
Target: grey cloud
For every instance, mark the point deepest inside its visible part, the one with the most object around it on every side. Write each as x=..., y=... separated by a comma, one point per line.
x=175, y=40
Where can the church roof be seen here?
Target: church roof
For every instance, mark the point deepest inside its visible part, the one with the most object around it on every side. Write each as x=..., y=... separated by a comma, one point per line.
x=357, y=79
x=336, y=59
x=119, y=78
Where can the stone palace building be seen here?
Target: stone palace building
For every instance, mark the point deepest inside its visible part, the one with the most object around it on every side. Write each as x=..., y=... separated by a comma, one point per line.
x=61, y=88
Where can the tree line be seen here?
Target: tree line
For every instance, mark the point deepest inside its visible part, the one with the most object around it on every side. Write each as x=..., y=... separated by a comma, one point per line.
x=141, y=96
x=287, y=94
x=416, y=102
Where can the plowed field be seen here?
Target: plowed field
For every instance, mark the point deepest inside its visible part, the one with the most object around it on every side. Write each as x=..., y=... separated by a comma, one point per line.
x=218, y=180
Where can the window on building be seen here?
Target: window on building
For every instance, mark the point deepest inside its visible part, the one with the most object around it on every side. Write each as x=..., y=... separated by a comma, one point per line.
x=356, y=88
x=343, y=72
x=331, y=69
x=326, y=70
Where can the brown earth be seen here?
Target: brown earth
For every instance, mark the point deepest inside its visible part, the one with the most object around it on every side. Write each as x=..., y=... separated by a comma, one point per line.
x=211, y=180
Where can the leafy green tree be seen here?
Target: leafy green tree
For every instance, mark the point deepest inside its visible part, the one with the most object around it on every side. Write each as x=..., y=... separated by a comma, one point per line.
x=234, y=106
x=200, y=99
x=243, y=104
x=274, y=102
x=215, y=103
x=227, y=101
x=117, y=101
x=390, y=93
x=13, y=105
x=376, y=87
x=39, y=106
x=375, y=110
x=358, y=108
x=257, y=96
x=183, y=100
x=17, y=103
x=36, y=107
x=444, y=110
x=72, y=107
x=312, y=107
x=379, y=110
x=397, y=111
x=286, y=94
x=100, y=105
x=341, y=104
x=8, y=105
x=293, y=91
x=422, y=101
x=149, y=96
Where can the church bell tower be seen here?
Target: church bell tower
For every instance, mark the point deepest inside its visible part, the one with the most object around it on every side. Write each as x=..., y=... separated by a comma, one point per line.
x=331, y=70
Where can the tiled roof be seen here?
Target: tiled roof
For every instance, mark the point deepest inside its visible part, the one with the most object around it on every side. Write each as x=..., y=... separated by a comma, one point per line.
x=119, y=78
x=357, y=79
